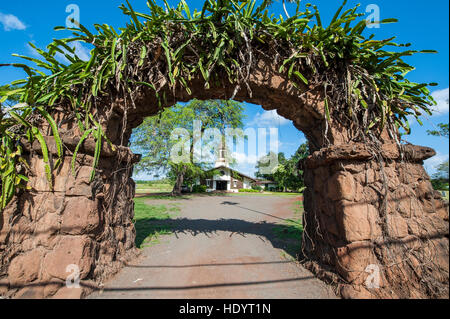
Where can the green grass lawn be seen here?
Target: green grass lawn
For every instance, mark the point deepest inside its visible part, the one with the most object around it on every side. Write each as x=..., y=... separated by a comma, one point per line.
x=153, y=188
x=166, y=196
x=291, y=231
x=151, y=221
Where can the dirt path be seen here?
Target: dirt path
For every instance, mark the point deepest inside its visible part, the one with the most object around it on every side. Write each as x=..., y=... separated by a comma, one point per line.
x=222, y=247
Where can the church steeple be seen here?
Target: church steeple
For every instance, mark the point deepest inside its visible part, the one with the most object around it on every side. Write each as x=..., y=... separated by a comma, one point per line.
x=222, y=156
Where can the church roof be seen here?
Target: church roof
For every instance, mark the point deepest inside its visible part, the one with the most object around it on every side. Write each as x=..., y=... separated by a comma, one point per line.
x=243, y=175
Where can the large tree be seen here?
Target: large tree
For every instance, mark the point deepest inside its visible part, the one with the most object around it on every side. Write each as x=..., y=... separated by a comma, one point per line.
x=263, y=163
x=154, y=140
x=441, y=131
x=287, y=174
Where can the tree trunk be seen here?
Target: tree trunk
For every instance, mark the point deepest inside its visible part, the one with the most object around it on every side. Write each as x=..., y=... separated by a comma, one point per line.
x=179, y=182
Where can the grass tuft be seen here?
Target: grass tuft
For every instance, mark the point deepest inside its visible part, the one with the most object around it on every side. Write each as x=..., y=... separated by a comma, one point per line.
x=291, y=231
x=148, y=218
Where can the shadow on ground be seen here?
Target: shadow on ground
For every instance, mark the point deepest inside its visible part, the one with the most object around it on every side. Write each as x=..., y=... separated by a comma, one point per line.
x=283, y=236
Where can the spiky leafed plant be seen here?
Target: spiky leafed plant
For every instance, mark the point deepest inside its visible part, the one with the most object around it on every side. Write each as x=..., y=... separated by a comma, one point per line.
x=365, y=84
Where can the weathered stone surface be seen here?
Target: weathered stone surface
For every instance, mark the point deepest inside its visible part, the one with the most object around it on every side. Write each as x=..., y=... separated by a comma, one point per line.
x=442, y=211
x=425, y=189
x=51, y=204
x=360, y=195
x=30, y=293
x=25, y=268
x=407, y=203
x=357, y=221
x=354, y=260
x=80, y=216
x=392, y=178
x=4, y=286
x=47, y=229
x=130, y=234
x=360, y=151
x=320, y=176
x=71, y=250
x=355, y=292
x=331, y=226
x=64, y=181
x=429, y=206
x=369, y=177
x=397, y=226
x=341, y=186
x=430, y=226
x=20, y=230
x=68, y=293
x=119, y=233
x=52, y=286
x=442, y=245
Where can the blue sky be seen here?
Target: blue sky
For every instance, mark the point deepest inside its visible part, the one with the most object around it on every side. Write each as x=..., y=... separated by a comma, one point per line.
x=426, y=26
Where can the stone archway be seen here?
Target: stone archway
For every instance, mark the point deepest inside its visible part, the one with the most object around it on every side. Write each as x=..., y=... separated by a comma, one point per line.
x=90, y=224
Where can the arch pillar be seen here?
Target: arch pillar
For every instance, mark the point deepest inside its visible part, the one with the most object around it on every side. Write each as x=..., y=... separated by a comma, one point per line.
x=90, y=225
x=370, y=241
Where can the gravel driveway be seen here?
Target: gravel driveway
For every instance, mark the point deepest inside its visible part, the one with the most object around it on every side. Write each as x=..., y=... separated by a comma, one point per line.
x=221, y=247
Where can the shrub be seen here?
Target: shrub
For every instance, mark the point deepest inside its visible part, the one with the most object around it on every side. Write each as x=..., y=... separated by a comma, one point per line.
x=257, y=188
x=440, y=184
x=199, y=189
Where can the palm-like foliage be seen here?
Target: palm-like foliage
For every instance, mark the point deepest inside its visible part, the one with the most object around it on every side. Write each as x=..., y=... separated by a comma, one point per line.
x=364, y=83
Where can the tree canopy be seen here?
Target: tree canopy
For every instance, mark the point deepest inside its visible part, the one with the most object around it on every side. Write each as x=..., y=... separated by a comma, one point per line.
x=442, y=130
x=287, y=174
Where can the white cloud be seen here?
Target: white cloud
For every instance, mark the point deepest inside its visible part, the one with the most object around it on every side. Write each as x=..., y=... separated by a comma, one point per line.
x=431, y=163
x=81, y=51
x=32, y=51
x=441, y=97
x=268, y=118
x=246, y=169
x=275, y=145
x=11, y=22
x=242, y=158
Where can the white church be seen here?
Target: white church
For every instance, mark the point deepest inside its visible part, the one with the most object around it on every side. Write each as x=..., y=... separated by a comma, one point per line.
x=228, y=179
